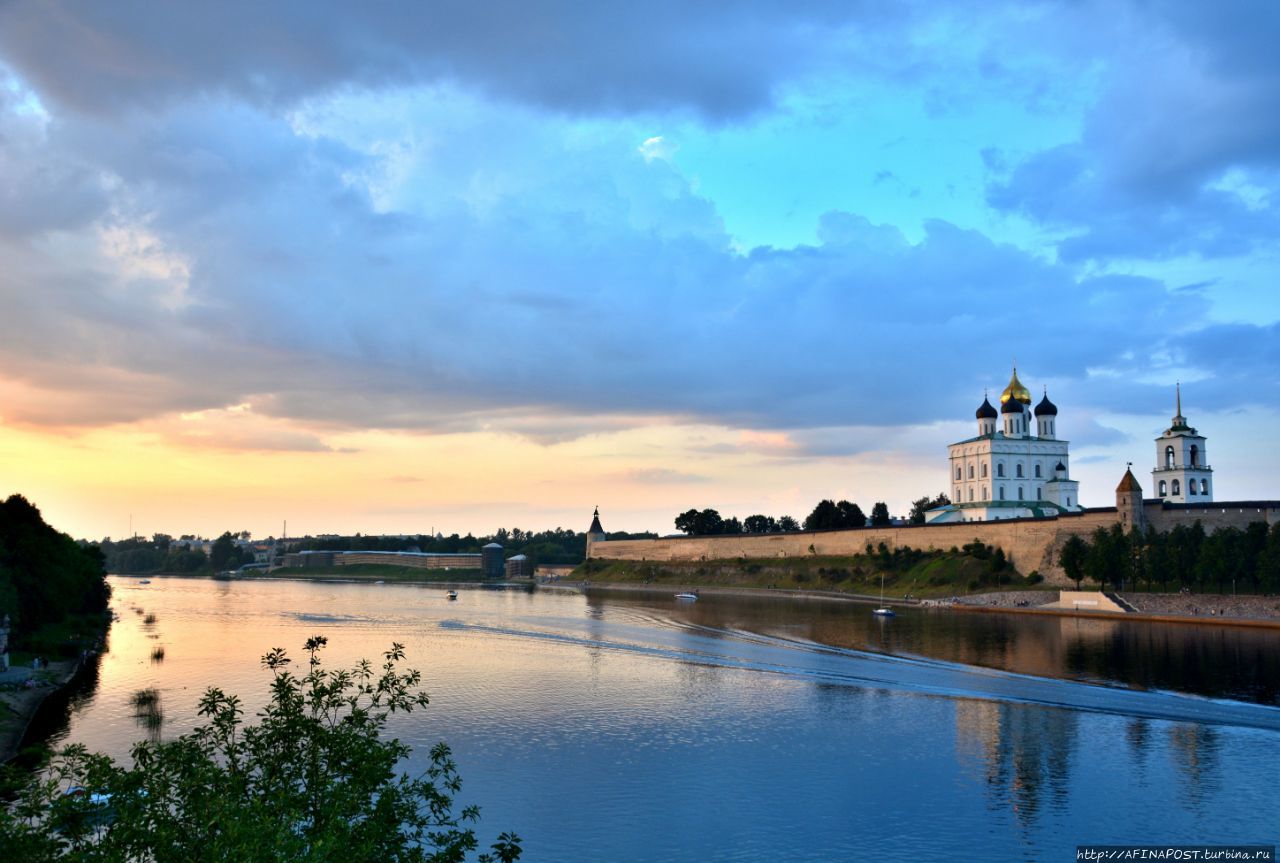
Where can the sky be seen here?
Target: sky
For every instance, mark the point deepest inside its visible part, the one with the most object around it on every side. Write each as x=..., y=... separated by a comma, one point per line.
x=460, y=266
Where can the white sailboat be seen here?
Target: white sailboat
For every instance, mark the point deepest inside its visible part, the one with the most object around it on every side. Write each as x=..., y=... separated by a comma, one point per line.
x=883, y=610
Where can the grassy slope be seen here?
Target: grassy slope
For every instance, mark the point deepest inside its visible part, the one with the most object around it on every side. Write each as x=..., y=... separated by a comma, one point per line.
x=373, y=572
x=920, y=574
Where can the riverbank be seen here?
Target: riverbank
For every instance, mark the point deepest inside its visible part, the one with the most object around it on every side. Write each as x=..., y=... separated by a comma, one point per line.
x=1174, y=608
x=22, y=691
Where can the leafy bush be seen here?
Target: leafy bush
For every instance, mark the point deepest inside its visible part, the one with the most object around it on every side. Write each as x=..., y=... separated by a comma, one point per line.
x=313, y=780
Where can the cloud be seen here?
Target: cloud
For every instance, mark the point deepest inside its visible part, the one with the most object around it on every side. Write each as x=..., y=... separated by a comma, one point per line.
x=323, y=236
x=1179, y=155
x=660, y=476
x=719, y=61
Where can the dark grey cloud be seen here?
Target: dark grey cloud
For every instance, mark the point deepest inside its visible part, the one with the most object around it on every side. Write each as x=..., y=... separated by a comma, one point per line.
x=719, y=60
x=1188, y=116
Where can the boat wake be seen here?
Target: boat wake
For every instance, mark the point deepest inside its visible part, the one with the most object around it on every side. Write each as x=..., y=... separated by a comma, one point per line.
x=808, y=661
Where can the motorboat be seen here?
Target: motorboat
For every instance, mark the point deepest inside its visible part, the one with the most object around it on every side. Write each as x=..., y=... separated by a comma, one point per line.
x=145, y=581
x=688, y=596
x=453, y=594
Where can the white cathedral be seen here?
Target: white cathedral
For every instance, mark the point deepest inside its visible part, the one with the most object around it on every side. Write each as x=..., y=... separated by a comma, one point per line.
x=1011, y=472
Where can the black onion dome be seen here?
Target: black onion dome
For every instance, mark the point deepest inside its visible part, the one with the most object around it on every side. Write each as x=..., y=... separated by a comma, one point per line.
x=1046, y=408
x=985, y=410
x=1060, y=466
x=1012, y=406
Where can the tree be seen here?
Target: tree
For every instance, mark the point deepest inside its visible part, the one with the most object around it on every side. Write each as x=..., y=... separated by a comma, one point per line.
x=224, y=549
x=787, y=523
x=707, y=522
x=759, y=524
x=922, y=505
x=879, y=514
x=851, y=514
x=825, y=516
x=313, y=780
x=1072, y=557
x=828, y=515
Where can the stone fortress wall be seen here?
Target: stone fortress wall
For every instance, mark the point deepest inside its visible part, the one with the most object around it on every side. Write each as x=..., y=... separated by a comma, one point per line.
x=1032, y=544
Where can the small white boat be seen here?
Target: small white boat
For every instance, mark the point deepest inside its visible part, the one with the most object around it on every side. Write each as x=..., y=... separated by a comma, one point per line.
x=145, y=581
x=883, y=610
x=453, y=594
x=690, y=596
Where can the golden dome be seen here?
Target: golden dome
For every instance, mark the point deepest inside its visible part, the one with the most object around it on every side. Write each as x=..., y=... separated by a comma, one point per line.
x=1015, y=390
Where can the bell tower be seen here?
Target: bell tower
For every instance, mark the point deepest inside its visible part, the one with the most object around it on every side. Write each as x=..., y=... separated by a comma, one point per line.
x=1182, y=473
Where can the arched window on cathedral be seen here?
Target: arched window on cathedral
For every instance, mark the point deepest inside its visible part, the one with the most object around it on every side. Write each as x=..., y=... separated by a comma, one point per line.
x=1177, y=487
x=1000, y=469
x=1164, y=488
x=1204, y=486
x=1168, y=457
x=957, y=471
x=1191, y=487
x=1019, y=492
x=1002, y=492
x=1195, y=455
x=971, y=494
x=1019, y=470
x=1038, y=474
x=1038, y=495
x=984, y=470
x=970, y=471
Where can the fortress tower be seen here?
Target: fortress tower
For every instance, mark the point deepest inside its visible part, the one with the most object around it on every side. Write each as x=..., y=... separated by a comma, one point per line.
x=1129, y=504
x=595, y=533
x=1182, y=473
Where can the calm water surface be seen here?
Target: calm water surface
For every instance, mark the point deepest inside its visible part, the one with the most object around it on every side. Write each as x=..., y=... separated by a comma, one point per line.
x=621, y=728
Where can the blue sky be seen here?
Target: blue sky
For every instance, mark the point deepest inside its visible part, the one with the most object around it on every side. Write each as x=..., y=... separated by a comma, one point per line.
x=647, y=258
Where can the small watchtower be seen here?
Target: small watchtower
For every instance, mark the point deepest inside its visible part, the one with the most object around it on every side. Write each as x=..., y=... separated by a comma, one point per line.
x=1129, y=503
x=595, y=533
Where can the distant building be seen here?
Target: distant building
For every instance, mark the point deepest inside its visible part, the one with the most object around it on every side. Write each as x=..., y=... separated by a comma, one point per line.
x=491, y=561
x=519, y=566
x=1010, y=472
x=1182, y=473
x=418, y=560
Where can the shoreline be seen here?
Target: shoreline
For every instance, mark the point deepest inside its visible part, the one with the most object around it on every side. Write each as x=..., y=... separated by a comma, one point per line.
x=986, y=603
x=23, y=705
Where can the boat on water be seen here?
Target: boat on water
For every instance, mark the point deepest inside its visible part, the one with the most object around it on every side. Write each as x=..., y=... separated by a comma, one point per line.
x=145, y=581
x=689, y=596
x=883, y=610
x=453, y=594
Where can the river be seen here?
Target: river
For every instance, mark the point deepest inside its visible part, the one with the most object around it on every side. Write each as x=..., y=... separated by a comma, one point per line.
x=624, y=727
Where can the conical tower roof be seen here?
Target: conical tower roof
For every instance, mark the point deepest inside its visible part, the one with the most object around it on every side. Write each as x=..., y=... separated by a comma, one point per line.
x=595, y=523
x=1129, y=483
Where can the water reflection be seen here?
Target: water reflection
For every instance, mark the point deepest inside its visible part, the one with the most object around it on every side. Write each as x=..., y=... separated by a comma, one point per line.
x=1194, y=752
x=1023, y=754
x=1231, y=662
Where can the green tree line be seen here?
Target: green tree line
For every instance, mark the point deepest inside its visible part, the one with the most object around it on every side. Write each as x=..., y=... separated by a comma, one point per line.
x=46, y=576
x=826, y=515
x=162, y=553
x=1244, y=560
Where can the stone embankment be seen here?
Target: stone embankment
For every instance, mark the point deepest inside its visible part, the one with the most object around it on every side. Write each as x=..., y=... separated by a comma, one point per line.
x=1009, y=599
x=1206, y=605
